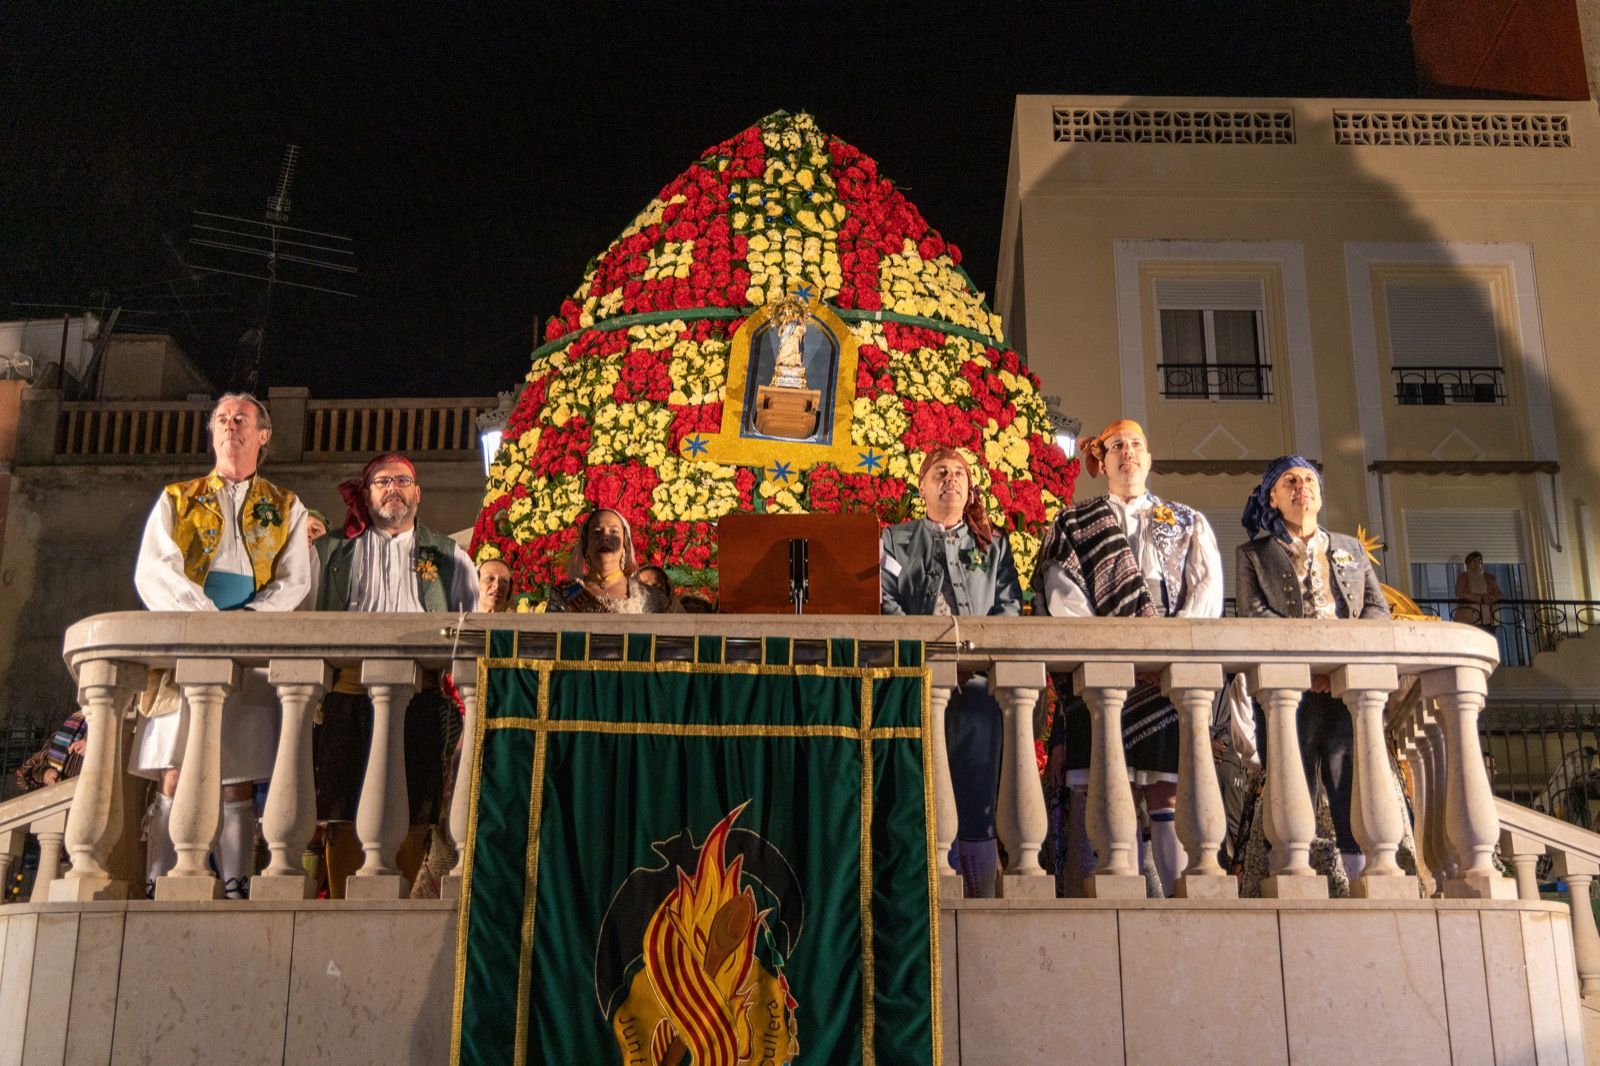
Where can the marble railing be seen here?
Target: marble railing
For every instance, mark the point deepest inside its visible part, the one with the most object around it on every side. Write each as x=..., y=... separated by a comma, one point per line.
x=1526, y=837
x=1363, y=662
x=41, y=813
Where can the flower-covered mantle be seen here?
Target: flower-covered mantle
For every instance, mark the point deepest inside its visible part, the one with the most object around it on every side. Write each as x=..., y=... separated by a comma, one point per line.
x=631, y=382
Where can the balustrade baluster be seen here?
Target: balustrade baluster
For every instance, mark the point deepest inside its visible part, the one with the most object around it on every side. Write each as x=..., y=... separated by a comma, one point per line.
x=1524, y=852
x=1579, y=874
x=197, y=805
x=1291, y=821
x=1377, y=818
x=1438, y=836
x=1415, y=740
x=12, y=842
x=1202, y=820
x=1472, y=825
x=1113, y=825
x=383, y=814
x=944, y=684
x=465, y=674
x=1022, y=822
x=95, y=826
x=50, y=831
x=290, y=816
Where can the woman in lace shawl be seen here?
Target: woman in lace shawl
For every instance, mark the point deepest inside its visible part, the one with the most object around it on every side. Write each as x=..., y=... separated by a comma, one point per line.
x=603, y=577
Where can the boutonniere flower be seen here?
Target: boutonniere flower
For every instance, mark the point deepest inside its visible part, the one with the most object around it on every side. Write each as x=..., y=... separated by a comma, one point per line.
x=1164, y=515
x=427, y=566
x=976, y=560
x=1343, y=558
x=266, y=514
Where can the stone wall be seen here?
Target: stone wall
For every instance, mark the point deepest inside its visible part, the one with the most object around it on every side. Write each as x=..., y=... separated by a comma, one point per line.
x=1268, y=981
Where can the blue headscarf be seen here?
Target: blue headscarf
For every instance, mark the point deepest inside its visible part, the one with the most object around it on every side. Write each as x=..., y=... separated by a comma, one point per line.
x=1259, y=515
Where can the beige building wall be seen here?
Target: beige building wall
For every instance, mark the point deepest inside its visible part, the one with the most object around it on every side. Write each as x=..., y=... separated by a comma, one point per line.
x=1465, y=230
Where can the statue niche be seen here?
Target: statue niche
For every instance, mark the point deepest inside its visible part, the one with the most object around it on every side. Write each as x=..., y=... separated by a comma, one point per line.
x=786, y=407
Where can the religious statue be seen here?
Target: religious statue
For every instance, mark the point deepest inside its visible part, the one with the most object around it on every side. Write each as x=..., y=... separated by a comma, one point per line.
x=786, y=407
x=789, y=367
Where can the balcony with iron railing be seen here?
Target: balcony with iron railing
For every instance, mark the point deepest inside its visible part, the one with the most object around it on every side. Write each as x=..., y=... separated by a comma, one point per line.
x=1215, y=381
x=1430, y=386
x=1522, y=628
x=368, y=977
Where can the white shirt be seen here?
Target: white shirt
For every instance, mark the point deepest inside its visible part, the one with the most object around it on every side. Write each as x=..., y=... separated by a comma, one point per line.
x=383, y=575
x=159, y=577
x=1202, y=569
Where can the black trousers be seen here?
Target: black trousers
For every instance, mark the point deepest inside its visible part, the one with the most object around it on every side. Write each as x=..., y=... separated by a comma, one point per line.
x=339, y=753
x=974, y=735
x=1327, y=750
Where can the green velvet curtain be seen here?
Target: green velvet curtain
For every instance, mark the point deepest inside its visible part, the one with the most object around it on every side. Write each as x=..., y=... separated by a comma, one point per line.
x=708, y=862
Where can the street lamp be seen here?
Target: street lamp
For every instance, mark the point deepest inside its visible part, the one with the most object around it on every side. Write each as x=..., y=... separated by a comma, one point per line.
x=1066, y=429
x=491, y=426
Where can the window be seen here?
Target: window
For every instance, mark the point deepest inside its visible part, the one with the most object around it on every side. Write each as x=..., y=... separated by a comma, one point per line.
x=1212, y=339
x=1444, y=345
x=1437, y=544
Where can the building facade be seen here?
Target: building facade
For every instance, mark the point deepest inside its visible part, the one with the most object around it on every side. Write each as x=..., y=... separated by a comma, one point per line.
x=1404, y=291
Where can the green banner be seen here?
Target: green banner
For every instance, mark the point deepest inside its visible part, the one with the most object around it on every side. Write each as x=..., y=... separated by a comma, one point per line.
x=707, y=863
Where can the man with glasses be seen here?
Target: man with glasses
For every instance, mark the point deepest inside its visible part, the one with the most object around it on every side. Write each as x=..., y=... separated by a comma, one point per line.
x=385, y=560
x=228, y=541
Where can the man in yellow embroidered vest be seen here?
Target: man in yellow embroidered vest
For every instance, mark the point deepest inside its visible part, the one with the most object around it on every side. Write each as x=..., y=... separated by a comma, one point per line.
x=228, y=541
x=384, y=560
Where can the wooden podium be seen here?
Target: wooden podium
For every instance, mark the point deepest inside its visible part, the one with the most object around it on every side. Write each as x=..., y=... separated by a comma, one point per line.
x=753, y=563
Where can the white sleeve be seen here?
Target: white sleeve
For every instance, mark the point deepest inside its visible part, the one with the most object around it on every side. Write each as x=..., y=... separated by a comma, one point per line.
x=1242, y=720
x=291, y=577
x=158, y=574
x=464, y=585
x=1202, y=573
x=1064, y=598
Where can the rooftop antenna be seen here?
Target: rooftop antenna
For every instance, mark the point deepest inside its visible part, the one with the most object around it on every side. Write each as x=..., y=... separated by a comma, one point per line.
x=275, y=253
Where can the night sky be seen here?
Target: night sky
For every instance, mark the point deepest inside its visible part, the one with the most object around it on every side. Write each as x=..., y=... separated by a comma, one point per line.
x=478, y=161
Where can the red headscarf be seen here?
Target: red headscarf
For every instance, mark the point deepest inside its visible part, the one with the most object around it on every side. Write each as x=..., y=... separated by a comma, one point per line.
x=973, y=514
x=357, y=517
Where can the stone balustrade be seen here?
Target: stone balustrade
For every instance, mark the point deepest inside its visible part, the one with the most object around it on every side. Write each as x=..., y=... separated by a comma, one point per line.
x=1526, y=837
x=42, y=814
x=1363, y=662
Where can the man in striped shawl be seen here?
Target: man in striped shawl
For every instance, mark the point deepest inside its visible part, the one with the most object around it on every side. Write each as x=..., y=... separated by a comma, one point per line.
x=1126, y=554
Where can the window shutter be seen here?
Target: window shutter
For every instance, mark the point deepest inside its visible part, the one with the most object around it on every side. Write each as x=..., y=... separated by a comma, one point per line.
x=1210, y=294
x=1447, y=322
x=1230, y=534
x=1446, y=536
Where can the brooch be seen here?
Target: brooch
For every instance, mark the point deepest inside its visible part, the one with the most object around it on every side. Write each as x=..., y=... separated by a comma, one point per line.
x=1342, y=557
x=976, y=560
x=266, y=514
x=1164, y=515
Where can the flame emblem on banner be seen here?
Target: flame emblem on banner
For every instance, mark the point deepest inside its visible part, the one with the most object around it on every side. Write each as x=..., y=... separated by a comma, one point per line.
x=703, y=993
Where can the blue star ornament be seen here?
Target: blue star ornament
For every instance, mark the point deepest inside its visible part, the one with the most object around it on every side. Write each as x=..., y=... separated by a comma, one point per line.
x=780, y=472
x=805, y=292
x=870, y=461
x=696, y=446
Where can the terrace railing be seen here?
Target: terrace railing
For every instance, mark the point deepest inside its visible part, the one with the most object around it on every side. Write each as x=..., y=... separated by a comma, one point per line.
x=1364, y=663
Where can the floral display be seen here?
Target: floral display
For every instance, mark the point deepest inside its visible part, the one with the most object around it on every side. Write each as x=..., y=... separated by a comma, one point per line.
x=635, y=367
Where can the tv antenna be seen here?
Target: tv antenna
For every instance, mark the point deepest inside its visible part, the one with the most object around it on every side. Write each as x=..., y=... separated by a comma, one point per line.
x=275, y=253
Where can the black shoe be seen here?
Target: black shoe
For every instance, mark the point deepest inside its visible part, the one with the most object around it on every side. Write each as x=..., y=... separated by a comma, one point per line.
x=236, y=888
